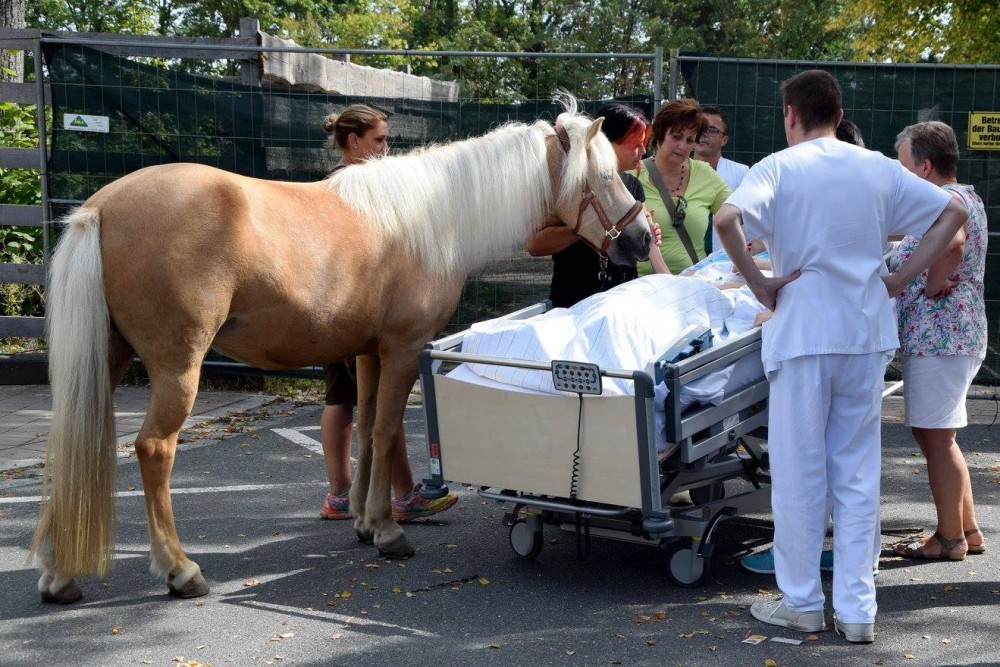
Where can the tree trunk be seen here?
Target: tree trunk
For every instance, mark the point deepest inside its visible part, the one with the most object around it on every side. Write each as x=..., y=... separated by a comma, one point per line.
x=12, y=61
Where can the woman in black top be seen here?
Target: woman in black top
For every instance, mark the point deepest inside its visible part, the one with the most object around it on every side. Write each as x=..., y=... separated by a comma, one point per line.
x=578, y=270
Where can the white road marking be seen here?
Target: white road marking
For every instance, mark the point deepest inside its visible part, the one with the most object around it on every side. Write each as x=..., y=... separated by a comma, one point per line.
x=176, y=492
x=346, y=621
x=299, y=438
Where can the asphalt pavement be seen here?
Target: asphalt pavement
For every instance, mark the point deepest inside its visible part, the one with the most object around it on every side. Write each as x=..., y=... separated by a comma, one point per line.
x=291, y=589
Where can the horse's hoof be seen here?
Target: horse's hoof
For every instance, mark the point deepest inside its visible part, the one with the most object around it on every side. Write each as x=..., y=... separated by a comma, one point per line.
x=65, y=595
x=398, y=548
x=364, y=536
x=194, y=588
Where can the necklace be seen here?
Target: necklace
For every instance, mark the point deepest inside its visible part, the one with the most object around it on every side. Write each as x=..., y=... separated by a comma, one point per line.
x=680, y=181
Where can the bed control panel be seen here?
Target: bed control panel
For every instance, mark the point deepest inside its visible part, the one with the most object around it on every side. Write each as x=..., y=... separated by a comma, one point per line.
x=577, y=377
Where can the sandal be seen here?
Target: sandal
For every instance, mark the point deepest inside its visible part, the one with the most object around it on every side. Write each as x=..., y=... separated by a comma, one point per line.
x=976, y=548
x=955, y=549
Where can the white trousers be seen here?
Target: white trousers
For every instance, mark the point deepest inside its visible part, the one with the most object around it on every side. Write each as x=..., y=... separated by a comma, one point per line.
x=824, y=437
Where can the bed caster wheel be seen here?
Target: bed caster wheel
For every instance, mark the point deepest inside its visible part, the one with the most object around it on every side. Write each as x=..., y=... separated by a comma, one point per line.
x=710, y=492
x=526, y=541
x=687, y=568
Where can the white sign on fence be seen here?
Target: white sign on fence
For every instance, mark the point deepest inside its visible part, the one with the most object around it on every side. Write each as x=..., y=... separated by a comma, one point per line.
x=83, y=123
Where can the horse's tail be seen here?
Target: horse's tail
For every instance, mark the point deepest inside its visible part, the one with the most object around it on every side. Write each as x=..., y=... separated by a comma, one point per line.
x=76, y=532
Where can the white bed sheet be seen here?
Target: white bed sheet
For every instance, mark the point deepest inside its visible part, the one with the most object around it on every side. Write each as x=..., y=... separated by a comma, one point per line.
x=627, y=328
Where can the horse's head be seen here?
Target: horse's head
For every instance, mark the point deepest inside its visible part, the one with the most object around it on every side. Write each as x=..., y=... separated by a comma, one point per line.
x=591, y=197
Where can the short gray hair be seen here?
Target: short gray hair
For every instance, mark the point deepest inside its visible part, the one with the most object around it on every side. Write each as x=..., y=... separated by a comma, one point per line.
x=932, y=140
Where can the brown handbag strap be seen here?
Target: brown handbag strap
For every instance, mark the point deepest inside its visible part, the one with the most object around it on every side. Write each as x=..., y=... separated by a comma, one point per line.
x=668, y=201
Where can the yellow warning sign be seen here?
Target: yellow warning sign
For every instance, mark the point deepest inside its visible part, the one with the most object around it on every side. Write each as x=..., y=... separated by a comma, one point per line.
x=984, y=130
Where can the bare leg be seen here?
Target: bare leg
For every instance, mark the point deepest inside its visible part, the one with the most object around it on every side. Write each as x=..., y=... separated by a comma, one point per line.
x=949, y=480
x=335, y=427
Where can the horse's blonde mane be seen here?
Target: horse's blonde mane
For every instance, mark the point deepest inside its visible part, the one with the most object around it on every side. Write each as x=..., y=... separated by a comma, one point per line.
x=458, y=205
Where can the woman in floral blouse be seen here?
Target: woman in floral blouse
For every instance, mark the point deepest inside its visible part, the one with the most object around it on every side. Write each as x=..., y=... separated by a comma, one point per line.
x=942, y=331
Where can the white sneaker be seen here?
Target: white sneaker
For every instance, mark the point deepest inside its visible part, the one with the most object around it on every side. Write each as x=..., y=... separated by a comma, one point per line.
x=856, y=633
x=775, y=613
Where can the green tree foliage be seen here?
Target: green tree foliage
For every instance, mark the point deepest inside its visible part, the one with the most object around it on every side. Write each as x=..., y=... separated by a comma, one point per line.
x=121, y=16
x=19, y=245
x=792, y=29
x=960, y=31
x=773, y=28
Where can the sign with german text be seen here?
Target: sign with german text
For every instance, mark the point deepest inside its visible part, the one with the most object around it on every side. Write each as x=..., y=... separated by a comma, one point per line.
x=984, y=130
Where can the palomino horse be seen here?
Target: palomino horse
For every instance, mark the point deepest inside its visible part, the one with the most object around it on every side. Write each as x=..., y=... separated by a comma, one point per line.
x=172, y=260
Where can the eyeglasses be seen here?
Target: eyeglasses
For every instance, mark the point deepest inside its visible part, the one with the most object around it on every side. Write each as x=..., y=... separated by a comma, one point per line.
x=680, y=212
x=711, y=131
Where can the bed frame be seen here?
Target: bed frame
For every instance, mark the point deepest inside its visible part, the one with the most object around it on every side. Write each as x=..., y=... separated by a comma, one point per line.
x=588, y=463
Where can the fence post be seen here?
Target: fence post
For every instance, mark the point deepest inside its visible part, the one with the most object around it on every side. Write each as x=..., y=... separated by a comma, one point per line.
x=43, y=162
x=672, y=93
x=657, y=78
x=250, y=66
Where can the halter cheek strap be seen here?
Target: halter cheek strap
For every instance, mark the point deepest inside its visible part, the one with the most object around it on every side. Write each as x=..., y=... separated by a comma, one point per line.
x=611, y=231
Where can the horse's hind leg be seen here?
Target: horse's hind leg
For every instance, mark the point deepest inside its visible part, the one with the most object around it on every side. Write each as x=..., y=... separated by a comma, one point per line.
x=173, y=395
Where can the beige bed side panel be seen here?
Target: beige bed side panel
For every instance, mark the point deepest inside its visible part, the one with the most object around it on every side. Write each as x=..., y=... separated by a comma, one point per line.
x=525, y=442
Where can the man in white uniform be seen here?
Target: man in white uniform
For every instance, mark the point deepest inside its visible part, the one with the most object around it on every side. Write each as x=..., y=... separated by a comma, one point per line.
x=824, y=209
x=709, y=149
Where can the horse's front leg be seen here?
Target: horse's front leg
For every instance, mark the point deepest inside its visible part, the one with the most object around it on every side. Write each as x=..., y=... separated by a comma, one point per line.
x=396, y=376
x=171, y=402
x=367, y=376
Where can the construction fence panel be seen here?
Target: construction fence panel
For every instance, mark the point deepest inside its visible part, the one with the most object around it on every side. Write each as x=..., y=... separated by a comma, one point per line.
x=114, y=114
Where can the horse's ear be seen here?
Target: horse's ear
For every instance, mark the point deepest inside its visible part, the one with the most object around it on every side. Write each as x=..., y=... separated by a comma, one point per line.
x=594, y=128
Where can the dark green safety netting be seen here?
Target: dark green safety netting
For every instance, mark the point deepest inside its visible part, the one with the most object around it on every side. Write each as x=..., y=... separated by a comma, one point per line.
x=158, y=115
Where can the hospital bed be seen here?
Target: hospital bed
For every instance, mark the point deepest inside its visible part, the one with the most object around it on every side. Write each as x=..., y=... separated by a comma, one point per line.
x=599, y=451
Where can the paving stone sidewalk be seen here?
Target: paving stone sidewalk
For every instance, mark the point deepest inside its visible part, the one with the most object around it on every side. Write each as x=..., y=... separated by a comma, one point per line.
x=26, y=416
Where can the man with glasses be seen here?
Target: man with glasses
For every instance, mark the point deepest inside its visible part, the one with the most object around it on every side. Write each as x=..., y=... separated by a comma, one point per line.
x=709, y=149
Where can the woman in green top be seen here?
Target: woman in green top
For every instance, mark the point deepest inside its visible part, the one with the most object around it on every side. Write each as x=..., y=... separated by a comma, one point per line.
x=696, y=190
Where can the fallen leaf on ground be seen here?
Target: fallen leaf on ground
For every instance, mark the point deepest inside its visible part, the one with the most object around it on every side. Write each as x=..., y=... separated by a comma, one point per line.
x=650, y=642
x=570, y=651
x=484, y=581
x=250, y=582
x=494, y=646
x=116, y=629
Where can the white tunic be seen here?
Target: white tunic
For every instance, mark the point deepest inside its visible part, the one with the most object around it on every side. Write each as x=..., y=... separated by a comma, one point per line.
x=732, y=173
x=855, y=198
